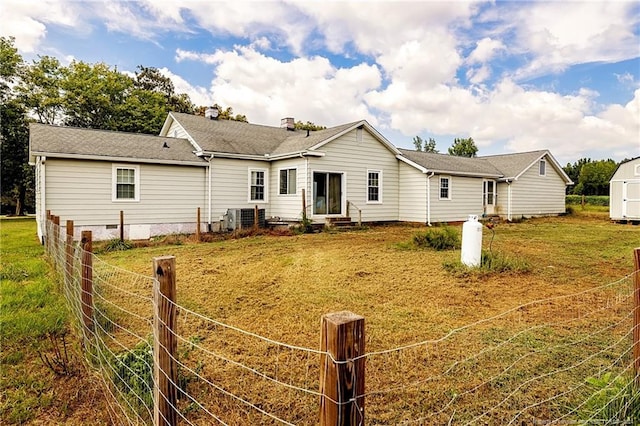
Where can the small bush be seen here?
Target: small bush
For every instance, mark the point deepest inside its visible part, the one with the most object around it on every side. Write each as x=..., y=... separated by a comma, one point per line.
x=117, y=244
x=611, y=401
x=490, y=263
x=444, y=238
x=133, y=376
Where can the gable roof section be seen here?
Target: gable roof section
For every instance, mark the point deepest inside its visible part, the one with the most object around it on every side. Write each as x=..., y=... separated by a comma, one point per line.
x=80, y=143
x=514, y=165
x=239, y=138
x=451, y=164
x=621, y=163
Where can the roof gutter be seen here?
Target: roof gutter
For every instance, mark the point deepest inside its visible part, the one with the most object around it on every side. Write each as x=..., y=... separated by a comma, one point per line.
x=117, y=159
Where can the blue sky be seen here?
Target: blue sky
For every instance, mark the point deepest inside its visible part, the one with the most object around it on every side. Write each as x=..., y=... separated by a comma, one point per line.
x=515, y=76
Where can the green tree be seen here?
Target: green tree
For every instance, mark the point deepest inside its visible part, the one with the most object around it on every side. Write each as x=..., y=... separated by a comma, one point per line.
x=430, y=146
x=223, y=113
x=10, y=65
x=93, y=95
x=463, y=148
x=41, y=89
x=417, y=142
x=16, y=177
x=150, y=79
x=573, y=171
x=299, y=125
x=594, y=177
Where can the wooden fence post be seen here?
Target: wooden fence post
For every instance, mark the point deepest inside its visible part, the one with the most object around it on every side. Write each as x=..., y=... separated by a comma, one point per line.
x=69, y=252
x=165, y=343
x=304, y=203
x=636, y=315
x=56, y=241
x=86, y=285
x=342, y=377
x=198, y=225
x=121, y=225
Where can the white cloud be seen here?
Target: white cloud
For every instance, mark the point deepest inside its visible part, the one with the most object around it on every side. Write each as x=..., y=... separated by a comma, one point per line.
x=560, y=34
x=486, y=49
x=266, y=89
x=27, y=20
x=198, y=95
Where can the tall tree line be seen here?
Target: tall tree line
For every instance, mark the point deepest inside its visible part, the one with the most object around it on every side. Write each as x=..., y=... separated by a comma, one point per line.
x=95, y=96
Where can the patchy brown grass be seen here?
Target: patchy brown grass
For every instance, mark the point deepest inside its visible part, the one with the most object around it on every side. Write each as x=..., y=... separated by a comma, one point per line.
x=280, y=286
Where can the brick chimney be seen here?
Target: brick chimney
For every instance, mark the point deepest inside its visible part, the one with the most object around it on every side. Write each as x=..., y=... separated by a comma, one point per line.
x=288, y=123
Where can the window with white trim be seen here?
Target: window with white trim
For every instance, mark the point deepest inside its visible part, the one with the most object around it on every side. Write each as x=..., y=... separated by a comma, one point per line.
x=543, y=168
x=637, y=170
x=257, y=185
x=288, y=182
x=445, y=188
x=374, y=186
x=125, y=183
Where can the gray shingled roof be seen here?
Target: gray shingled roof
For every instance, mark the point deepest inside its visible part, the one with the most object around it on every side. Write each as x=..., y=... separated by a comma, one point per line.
x=234, y=137
x=452, y=164
x=512, y=165
x=88, y=143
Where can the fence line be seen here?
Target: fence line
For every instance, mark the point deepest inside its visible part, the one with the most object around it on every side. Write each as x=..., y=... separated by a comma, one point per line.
x=230, y=375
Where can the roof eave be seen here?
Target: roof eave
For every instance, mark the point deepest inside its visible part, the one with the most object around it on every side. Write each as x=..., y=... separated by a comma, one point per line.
x=116, y=159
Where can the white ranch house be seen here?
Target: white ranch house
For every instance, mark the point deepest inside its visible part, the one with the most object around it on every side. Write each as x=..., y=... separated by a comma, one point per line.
x=222, y=167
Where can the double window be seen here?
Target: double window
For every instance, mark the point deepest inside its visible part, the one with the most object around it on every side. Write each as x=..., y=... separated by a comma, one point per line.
x=445, y=188
x=288, y=181
x=125, y=183
x=257, y=185
x=374, y=186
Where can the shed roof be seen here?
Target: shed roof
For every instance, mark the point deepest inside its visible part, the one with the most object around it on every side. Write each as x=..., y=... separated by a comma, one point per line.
x=73, y=142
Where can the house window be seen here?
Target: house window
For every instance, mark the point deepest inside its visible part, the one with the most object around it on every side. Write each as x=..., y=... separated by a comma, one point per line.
x=288, y=181
x=374, y=181
x=543, y=168
x=445, y=188
x=126, y=183
x=637, y=170
x=257, y=185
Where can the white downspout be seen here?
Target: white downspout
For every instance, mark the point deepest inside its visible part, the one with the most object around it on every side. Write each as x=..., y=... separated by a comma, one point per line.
x=209, y=197
x=429, y=198
x=508, y=201
x=43, y=201
x=306, y=185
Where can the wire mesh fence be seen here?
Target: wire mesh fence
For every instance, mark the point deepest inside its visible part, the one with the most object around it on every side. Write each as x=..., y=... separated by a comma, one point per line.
x=562, y=359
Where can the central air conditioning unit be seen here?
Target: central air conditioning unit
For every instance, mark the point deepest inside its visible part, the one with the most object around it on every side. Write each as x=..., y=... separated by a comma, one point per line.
x=242, y=219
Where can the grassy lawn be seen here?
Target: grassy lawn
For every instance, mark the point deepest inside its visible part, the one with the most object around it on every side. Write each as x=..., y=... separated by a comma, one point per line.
x=33, y=323
x=280, y=286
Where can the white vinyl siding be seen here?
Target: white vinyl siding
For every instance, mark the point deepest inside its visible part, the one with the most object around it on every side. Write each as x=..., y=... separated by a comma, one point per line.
x=465, y=198
x=176, y=131
x=288, y=206
x=413, y=194
x=230, y=185
x=82, y=191
x=534, y=195
x=352, y=158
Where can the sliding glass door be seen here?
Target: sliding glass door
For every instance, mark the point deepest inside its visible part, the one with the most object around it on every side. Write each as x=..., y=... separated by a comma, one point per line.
x=327, y=193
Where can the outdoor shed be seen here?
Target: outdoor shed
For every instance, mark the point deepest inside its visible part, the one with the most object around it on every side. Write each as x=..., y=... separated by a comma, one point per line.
x=624, y=191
